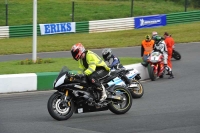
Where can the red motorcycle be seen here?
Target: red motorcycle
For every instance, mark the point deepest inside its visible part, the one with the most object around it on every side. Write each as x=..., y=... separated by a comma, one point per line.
x=156, y=65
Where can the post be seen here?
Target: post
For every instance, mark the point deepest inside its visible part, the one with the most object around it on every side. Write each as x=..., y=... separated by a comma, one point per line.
x=131, y=8
x=72, y=11
x=34, y=50
x=6, y=3
x=185, y=5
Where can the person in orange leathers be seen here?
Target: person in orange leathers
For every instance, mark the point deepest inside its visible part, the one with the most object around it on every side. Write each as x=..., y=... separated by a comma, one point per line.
x=170, y=45
x=146, y=48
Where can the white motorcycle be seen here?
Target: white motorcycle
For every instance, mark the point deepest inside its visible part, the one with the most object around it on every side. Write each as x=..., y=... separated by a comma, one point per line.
x=131, y=81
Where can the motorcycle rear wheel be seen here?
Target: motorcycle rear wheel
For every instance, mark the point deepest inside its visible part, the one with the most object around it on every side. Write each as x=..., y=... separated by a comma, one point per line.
x=176, y=55
x=121, y=107
x=57, y=109
x=137, y=92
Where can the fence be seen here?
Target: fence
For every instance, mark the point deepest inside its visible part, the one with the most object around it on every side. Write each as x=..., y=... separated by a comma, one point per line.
x=52, y=11
x=100, y=25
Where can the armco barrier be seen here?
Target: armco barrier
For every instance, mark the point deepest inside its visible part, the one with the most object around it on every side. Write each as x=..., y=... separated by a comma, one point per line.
x=43, y=81
x=183, y=17
x=111, y=25
x=4, y=32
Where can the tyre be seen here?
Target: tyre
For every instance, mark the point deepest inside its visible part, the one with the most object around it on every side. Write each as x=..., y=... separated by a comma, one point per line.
x=121, y=107
x=176, y=55
x=136, y=92
x=58, y=108
x=152, y=75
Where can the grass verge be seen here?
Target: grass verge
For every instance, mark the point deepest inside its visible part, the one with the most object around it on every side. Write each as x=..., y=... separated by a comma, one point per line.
x=187, y=32
x=14, y=67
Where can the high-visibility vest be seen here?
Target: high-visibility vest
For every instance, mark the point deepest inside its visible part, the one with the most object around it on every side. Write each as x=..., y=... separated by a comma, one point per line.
x=92, y=61
x=148, y=46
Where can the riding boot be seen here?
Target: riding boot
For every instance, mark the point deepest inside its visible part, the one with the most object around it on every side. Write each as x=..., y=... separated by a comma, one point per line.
x=103, y=94
x=171, y=75
x=168, y=73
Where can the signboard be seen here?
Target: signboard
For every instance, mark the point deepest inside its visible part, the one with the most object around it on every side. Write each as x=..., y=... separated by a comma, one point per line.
x=150, y=21
x=56, y=28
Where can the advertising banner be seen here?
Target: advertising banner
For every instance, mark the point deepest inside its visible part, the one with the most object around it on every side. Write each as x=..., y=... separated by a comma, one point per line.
x=150, y=21
x=56, y=28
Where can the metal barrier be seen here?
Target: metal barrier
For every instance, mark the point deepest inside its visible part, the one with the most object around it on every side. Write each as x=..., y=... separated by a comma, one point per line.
x=4, y=32
x=183, y=17
x=111, y=25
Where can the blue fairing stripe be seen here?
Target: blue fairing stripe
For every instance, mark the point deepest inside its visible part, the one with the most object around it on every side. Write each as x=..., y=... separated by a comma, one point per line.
x=132, y=76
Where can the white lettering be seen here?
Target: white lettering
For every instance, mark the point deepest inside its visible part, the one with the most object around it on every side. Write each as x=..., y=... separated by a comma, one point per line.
x=149, y=22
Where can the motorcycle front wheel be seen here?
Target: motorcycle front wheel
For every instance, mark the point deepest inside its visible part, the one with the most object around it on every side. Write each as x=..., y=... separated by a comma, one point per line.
x=138, y=91
x=122, y=106
x=152, y=75
x=58, y=108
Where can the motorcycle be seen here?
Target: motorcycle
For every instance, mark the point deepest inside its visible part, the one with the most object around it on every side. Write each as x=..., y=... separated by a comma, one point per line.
x=176, y=55
x=156, y=65
x=77, y=95
x=135, y=87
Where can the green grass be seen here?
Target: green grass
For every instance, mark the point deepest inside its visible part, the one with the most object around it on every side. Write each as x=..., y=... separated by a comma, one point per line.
x=14, y=67
x=181, y=32
x=20, y=12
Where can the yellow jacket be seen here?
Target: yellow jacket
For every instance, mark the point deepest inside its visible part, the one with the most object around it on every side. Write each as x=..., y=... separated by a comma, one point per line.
x=92, y=61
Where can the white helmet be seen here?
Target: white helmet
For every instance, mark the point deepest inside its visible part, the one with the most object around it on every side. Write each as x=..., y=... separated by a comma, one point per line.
x=106, y=54
x=154, y=34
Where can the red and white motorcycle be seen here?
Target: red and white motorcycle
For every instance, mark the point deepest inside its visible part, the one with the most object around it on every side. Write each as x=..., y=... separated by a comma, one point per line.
x=156, y=65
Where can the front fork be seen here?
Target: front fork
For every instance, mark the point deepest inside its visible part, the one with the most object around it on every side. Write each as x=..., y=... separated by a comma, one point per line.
x=155, y=68
x=66, y=95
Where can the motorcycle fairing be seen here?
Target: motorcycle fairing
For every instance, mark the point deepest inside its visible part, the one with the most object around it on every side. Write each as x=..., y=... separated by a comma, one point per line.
x=84, y=108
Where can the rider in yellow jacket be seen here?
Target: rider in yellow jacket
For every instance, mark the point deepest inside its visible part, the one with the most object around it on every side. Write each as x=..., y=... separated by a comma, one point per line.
x=92, y=65
x=92, y=62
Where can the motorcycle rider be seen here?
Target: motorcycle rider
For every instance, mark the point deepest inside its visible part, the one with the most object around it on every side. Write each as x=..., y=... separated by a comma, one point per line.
x=160, y=46
x=154, y=34
x=92, y=65
x=170, y=44
x=146, y=48
x=112, y=60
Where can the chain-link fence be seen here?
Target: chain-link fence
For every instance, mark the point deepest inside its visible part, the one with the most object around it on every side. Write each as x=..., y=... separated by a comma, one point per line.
x=20, y=12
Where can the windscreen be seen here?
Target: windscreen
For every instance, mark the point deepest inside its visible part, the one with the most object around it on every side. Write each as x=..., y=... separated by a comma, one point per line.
x=63, y=71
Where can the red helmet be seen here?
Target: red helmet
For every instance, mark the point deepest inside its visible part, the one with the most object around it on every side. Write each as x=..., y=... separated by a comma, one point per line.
x=77, y=50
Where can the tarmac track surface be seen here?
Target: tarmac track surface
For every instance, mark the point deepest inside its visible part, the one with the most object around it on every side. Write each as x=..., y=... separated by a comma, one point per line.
x=168, y=105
